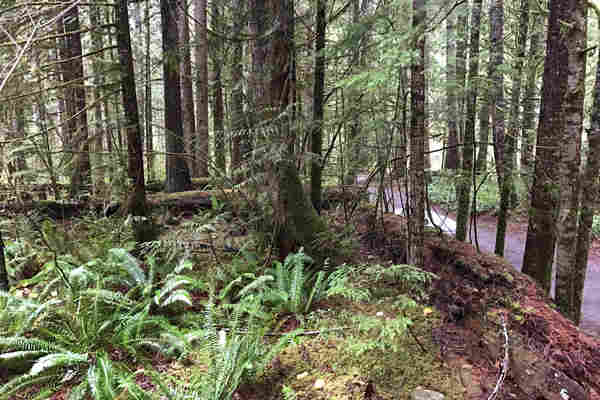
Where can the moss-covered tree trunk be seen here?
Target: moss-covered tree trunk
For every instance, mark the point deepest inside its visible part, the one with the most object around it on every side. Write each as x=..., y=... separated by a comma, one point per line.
x=569, y=287
x=297, y=220
x=541, y=230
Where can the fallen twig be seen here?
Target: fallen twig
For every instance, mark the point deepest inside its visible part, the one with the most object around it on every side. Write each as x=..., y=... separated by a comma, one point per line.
x=504, y=370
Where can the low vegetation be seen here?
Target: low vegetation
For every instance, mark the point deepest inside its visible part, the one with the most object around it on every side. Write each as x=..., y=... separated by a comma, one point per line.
x=109, y=319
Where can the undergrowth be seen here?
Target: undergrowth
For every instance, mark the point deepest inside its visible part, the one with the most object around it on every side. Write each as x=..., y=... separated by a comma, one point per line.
x=94, y=322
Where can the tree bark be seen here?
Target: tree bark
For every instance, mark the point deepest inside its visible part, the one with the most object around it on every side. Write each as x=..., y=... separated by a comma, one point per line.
x=99, y=132
x=237, y=95
x=148, y=122
x=541, y=236
x=530, y=103
x=590, y=196
x=569, y=286
x=4, y=284
x=136, y=202
x=77, y=125
x=318, y=105
x=466, y=175
x=461, y=73
x=517, y=79
x=187, y=86
x=297, y=220
x=200, y=146
x=417, y=140
x=218, y=113
x=452, y=152
x=355, y=153
x=503, y=144
x=178, y=175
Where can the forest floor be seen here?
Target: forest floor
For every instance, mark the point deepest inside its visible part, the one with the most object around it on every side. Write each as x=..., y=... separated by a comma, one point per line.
x=478, y=322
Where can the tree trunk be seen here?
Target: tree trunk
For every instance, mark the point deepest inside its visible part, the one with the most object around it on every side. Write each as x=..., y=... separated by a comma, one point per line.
x=99, y=81
x=297, y=220
x=77, y=126
x=218, y=113
x=465, y=182
x=484, y=128
x=318, y=105
x=187, y=86
x=452, y=152
x=136, y=202
x=503, y=144
x=148, y=98
x=417, y=138
x=541, y=236
x=237, y=95
x=590, y=196
x=4, y=285
x=530, y=103
x=517, y=78
x=355, y=153
x=569, y=286
x=178, y=175
x=200, y=146
x=461, y=73
x=481, y=164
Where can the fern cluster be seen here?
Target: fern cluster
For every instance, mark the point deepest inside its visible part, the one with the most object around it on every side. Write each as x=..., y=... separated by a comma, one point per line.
x=290, y=287
x=66, y=333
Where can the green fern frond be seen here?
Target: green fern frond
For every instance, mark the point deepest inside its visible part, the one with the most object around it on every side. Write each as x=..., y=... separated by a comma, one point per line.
x=174, y=282
x=33, y=316
x=257, y=283
x=19, y=343
x=180, y=295
x=23, y=381
x=57, y=360
x=129, y=263
x=14, y=356
x=109, y=297
x=296, y=287
x=317, y=290
x=79, y=392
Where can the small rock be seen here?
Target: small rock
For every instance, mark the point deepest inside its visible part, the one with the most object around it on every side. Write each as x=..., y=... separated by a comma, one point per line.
x=302, y=375
x=424, y=394
x=379, y=314
x=319, y=384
